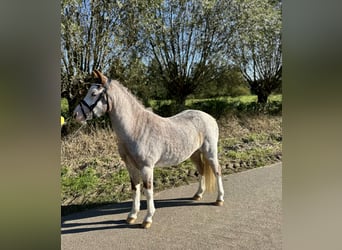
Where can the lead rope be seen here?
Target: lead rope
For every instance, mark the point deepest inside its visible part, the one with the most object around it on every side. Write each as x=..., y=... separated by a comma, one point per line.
x=72, y=136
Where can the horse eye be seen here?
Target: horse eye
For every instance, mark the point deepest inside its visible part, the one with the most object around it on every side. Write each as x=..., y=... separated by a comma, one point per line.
x=93, y=94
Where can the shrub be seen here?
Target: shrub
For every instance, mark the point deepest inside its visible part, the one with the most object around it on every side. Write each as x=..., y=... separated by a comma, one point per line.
x=215, y=107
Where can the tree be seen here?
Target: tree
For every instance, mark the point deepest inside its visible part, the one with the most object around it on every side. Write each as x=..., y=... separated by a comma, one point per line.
x=257, y=49
x=87, y=42
x=175, y=47
x=133, y=74
x=180, y=40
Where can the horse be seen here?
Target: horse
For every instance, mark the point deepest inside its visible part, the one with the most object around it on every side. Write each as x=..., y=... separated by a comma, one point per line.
x=146, y=140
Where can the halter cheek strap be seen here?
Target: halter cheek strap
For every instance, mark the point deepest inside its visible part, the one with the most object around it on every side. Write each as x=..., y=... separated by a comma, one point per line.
x=81, y=105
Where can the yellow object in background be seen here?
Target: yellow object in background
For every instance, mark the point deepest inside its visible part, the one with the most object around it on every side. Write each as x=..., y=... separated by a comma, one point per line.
x=62, y=121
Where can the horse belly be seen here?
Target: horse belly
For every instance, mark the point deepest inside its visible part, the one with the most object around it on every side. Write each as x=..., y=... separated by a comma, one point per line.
x=171, y=160
x=176, y=155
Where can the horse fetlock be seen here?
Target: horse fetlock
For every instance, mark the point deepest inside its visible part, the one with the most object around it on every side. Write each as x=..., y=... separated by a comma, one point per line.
x=149, y=215
x=133, y=213
x=220, y=197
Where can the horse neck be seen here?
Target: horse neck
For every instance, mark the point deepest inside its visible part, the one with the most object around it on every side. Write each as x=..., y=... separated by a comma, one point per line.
x=125, y=111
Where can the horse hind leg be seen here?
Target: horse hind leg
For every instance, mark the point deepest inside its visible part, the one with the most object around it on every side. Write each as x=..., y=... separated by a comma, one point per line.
x=197, y=160
x=212, y=160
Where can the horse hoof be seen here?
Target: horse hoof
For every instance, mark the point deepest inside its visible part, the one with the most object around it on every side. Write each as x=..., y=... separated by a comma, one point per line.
x=146, y=224
x=197, y=198
x=218, y=203
x=130, y=220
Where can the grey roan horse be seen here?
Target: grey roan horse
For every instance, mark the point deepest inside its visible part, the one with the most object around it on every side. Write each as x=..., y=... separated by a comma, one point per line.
x=147, y=140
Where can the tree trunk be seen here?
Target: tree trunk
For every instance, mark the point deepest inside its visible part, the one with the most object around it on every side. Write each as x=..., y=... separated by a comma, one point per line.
x=262, y=98
x=180, y=102
x=261, y=89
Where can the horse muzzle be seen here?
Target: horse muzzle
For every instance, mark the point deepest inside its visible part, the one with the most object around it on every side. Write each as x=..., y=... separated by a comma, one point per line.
x=79, y=116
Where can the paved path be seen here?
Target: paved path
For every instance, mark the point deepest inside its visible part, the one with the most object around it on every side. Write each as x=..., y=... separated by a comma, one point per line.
x=249, y=219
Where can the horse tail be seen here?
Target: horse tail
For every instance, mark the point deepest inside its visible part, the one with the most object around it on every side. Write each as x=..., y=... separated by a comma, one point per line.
x=208, y=174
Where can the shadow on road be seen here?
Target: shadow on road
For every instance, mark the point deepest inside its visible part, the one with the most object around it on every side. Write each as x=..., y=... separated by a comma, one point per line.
x=118, y=208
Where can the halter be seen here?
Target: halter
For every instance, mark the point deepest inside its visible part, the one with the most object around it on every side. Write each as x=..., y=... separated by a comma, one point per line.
x=91, y=107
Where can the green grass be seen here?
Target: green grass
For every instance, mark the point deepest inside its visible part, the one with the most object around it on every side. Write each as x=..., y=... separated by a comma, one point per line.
x=277, y=98
x=78, y=185
x=239, y=99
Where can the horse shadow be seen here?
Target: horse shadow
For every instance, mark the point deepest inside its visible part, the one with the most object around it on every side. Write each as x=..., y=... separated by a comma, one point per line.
x=117, y=208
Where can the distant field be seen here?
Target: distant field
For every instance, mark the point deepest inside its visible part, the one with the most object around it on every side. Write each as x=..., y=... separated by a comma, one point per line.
x=241, y=99
x=221, y=106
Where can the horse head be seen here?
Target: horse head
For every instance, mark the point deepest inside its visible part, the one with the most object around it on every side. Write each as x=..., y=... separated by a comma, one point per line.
x=96, y=102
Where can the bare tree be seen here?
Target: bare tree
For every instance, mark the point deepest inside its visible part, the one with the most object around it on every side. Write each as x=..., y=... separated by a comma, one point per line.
x=87, y=41
x=183, y=39
x=182, y=44
x=258, y=50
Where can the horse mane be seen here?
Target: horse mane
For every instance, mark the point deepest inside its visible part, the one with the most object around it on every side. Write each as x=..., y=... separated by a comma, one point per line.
x=130, y=97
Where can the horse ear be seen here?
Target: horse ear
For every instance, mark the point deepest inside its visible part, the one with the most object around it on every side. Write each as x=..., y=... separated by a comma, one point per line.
x=100, y=76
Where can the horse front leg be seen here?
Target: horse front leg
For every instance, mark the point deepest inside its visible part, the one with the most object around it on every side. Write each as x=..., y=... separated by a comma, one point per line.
x=147, y=177
x=134, y=175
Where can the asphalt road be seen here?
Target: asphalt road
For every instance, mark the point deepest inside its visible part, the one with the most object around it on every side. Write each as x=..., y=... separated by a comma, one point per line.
x=249, y=219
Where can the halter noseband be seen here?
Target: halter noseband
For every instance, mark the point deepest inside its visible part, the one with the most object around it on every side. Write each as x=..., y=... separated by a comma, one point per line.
x=91, y=107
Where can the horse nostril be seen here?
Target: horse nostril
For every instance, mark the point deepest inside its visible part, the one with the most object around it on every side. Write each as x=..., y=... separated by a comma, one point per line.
x=74, y=115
